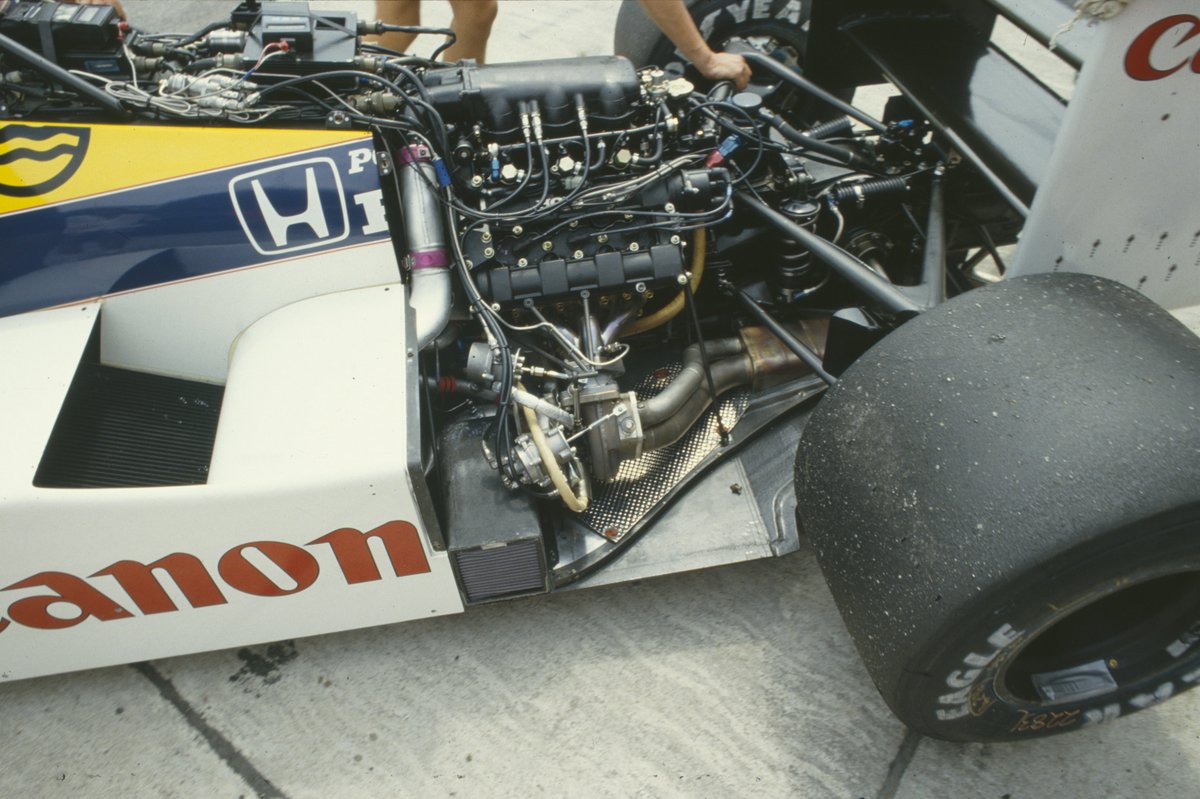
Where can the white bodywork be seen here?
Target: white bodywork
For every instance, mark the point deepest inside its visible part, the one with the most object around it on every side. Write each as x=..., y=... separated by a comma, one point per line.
x=313, y=439
x=1119, y=199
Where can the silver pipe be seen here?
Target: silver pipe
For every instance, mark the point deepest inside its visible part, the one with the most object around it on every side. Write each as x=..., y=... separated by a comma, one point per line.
x=425, y=237
x=667, y=402
x=726, y=374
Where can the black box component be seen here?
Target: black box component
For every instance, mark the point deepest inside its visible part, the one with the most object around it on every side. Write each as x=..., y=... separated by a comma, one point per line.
x=607, y=271
x=72, y=26
x=295, y=29
x=73, y=36
x=493, y=535
x=317, y=40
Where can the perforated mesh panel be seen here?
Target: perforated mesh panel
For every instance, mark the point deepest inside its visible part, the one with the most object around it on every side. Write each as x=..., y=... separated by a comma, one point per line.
x=642, y=483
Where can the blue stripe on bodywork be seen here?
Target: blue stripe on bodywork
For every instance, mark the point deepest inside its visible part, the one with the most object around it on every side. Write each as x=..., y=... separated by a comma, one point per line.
x=186, y=228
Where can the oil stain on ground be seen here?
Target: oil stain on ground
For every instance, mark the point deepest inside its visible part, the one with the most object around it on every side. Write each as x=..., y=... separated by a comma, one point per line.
x=262, y=665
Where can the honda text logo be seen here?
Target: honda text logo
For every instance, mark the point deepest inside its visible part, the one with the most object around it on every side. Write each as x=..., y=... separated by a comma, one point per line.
x=293, y=207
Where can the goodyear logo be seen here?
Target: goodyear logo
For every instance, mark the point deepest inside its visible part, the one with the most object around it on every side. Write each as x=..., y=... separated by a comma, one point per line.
x=36, y=160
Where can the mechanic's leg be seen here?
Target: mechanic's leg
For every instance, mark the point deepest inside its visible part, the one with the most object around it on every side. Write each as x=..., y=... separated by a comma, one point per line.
x=473, y=23
x=397, y=12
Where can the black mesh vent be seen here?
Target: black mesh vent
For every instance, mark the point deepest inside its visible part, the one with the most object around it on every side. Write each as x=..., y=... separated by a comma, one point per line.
x=501, y=571
x=119, y=428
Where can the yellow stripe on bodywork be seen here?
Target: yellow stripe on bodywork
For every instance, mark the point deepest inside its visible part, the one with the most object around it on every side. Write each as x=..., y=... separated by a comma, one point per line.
x=125, y=156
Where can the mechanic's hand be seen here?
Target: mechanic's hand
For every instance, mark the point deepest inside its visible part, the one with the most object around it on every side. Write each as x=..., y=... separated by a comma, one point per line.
x=724, y=66
x=114, y=3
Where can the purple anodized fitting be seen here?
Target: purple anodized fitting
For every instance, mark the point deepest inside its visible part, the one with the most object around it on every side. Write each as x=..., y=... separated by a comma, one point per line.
x=413, y=154
x=430, y=259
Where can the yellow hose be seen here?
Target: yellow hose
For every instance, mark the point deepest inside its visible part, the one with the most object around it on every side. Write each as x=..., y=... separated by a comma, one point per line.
x=551, y=464
x=672, y=308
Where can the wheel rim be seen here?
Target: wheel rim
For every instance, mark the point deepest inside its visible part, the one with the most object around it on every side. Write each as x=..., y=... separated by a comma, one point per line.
x=1123, y=637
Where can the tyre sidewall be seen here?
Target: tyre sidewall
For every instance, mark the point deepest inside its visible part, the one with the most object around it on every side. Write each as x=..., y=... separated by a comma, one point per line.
x=718, y=21
x=947, y=692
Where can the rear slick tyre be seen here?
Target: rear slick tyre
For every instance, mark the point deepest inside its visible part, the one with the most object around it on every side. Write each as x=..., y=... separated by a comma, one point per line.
x=1004, y=497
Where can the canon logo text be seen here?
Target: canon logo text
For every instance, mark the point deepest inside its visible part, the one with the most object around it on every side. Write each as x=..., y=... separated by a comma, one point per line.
x=1154, y=55
x=76, y=599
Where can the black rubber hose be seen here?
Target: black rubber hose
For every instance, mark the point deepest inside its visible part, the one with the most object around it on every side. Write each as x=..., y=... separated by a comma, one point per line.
x=843, y=155
x=859, y=193
x=200, y=34
x=831, y=128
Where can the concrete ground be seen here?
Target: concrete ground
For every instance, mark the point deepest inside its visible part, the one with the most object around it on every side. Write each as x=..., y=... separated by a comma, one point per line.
x=731, y=682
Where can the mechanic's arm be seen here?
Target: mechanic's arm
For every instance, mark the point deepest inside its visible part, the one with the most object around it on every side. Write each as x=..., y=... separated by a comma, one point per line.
x=673, y=19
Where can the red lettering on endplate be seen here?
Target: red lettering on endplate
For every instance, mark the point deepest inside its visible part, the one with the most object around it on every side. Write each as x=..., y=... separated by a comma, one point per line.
x=1138, y=59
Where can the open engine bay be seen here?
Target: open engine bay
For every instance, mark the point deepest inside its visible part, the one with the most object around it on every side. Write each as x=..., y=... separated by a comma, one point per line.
x=616, y=276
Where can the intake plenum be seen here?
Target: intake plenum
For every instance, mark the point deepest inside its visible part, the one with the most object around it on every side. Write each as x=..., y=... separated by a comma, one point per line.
x=607, y=84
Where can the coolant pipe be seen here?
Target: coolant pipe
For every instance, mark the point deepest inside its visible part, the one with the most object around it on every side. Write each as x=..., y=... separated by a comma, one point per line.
x=425, y=237
x=672, y=308
x=725, y=373
x=662, y=406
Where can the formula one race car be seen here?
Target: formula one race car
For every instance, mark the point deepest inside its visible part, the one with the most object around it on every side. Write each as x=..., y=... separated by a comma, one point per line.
x=299, y=334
